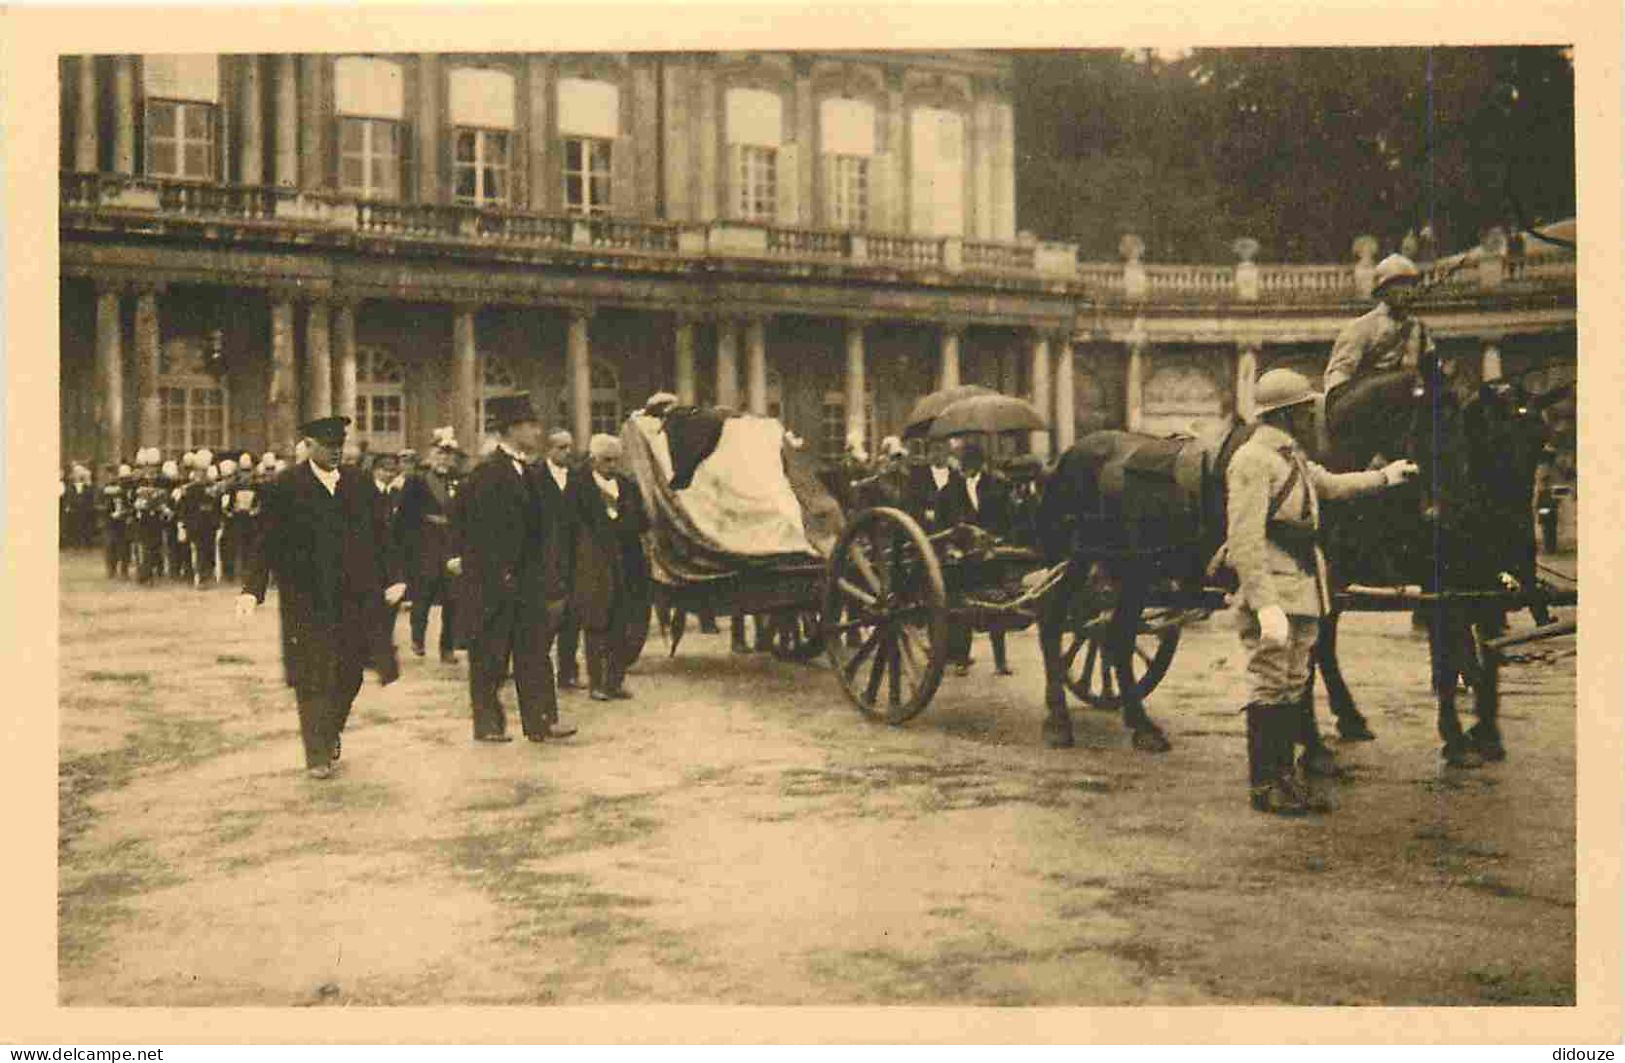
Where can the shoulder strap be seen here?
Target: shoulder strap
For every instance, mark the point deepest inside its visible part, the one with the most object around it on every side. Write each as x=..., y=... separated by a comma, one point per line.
x=1279, y=498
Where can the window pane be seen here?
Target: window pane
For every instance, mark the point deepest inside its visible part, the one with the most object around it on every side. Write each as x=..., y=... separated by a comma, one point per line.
x=572, y=191
x=496, y=148
x=384, y=138
x=161, y=120
x=350, y=135
x=161, y=157
x=197, y=160
x=465, y=183
x=600, y=192
x=465, y=145
x=600, y=156
x=572, y=154
x=351, y=172
x=195, y=119
x=495, y=185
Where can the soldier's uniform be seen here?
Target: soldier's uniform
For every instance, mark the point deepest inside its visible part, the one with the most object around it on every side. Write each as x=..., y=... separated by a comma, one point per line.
x=150, y=506
x=1273, y=494
x=177, y=552
x=241, y=506
x=116, y=503
x=197, y=519
x=1379, y=341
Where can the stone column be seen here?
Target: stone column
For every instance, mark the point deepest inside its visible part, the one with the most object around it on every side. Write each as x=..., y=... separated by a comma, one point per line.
x=1066, y=396
x=727, y=363
x=344, y=367
x=756, y=367
x=318, y=388
x=426, y=156
x=312, y=165
x=124, y=116
x=85, y=144
x=579, y=369
x=148, y=352
x=1491, y=361
x=1246, y=377
x=282, y=399
x=686, y=392
x=287, y=122
x=465, y=375
x=948, y=361
x=857, y=387
x=251, y=149
x=110, y=372
x=1043, y=399
x=1134, y=391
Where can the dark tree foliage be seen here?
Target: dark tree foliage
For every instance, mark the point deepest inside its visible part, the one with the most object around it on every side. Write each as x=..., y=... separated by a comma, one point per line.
x=1302, y=149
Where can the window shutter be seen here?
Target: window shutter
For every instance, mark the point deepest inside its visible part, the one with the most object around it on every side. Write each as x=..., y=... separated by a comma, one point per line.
x=406, y=142
x=518, y=186
x=787, y=183
x=730, y=183
x=334, y=166
x=622, y=170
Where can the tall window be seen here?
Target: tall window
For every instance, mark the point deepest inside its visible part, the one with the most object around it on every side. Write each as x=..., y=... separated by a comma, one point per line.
x=937, y=185
x=586, y=175
x=832, y=438
x=370, y=157
x=191, y=401
x=181, y=94
x=849, y=192
x=755, y=128
x=368, y=95
x=482, y=110
x=848, y=143
x=603, y=402
x=380, y=401
x=496, y=380
x=757, y=183
x=589, y=123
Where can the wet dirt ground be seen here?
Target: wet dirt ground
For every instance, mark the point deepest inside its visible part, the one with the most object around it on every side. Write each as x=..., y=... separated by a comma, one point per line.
x=738, y=834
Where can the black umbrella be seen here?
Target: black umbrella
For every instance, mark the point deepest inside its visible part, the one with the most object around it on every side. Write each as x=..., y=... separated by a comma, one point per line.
x=987, y=413
x=926, y=410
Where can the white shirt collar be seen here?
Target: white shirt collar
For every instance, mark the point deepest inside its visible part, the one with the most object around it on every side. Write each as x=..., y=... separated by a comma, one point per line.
x=560, y=472
x=330, y=480
x=608, y=484
x=939, y=473
x=513, y=456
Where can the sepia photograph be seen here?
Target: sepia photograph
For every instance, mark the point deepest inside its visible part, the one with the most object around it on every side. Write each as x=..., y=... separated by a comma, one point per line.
x=975, y=527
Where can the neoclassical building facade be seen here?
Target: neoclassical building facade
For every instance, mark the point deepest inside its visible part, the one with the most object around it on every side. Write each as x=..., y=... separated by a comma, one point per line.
x=251, y=240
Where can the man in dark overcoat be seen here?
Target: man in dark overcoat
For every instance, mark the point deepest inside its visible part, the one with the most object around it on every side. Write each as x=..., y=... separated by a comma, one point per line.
x=980, y=497
x=560, y=475
x=423, y=528
x=322, y=536
x=611, y=572
x=512, y=554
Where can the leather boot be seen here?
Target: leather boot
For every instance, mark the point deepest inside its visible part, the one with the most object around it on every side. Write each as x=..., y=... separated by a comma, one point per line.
x=1280, y=792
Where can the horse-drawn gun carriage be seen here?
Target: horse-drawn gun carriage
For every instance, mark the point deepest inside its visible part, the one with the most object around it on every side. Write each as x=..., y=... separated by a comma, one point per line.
x=1127, y=527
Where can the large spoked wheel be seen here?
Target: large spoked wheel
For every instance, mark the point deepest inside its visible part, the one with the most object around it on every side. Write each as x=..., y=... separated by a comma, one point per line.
x=885, y=616
x=1086, y=660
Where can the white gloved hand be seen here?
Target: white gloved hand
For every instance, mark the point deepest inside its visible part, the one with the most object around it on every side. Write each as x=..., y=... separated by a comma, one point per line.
x=454, y=565
x=1273, y=627
x=246, y=604
x=1510, y=583
x=1397, y=472
x=394, y=593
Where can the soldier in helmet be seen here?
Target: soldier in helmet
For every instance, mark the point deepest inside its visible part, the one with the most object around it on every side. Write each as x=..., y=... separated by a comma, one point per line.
x=177, y=551
x=1273, y=513
x=1387, y=337
x=116, y=504
x=197, y=518
x=151, y=501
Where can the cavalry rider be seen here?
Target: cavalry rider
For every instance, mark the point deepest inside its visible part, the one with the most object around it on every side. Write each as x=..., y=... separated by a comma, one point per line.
x=1273, y=514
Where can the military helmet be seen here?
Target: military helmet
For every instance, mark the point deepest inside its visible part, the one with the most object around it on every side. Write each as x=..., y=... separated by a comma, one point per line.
x=228, y=468
x=1280, y=388
x=1394, y=268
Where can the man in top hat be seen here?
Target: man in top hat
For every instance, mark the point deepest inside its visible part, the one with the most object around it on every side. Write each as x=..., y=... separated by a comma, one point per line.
x=335, y=567
x=980, y=497
x=512, y=557
x=423, y=528
x=1273, y=494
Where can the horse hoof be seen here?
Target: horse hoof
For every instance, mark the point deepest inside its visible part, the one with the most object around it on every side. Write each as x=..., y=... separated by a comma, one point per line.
x=1152, y=741
x=1492, y=752
x=1355, y=731
x=1462, y=757
x=1058, y=736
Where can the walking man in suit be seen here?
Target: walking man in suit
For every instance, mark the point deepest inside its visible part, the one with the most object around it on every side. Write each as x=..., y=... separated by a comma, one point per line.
x=423, y=527
x=331, y=553
x=560, y=477
x=611, y=573
x=513, y=556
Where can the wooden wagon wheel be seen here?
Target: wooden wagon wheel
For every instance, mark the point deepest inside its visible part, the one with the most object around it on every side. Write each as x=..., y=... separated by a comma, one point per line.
x=1085, y=660
x=797, y=635
x=885, y=586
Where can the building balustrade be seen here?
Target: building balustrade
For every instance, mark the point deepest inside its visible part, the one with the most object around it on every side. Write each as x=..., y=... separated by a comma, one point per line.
x=85, y=197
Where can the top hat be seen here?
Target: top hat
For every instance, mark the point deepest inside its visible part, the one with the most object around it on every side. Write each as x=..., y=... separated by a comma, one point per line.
x=326, y=430
x=504, y=411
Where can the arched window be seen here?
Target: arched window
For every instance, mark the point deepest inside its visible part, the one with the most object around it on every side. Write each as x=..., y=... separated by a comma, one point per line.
x=603, y=403
x=496, y=380
x=380, y=402
x=191, y=400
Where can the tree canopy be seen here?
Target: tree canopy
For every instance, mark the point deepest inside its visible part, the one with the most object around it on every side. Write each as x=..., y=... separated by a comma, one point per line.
x=1302, y=149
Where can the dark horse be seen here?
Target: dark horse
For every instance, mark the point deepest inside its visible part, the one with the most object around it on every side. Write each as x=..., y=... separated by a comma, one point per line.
x=1465, y=526
x=1135, y=513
